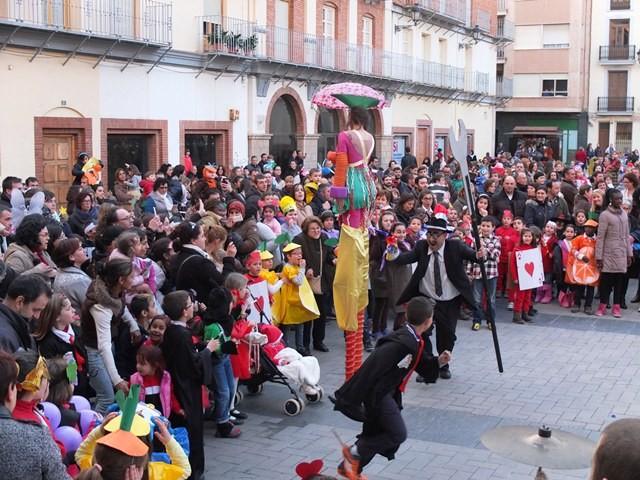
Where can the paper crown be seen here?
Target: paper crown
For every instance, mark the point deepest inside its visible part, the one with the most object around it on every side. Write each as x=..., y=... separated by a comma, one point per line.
x=128, y=420
x=125, y=442
x=287, y=204
x=33, y=379
x=266, y=255
x=591, y=223
x=291, y=247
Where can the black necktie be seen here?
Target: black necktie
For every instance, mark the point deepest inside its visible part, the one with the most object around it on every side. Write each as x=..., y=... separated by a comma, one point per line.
x=436, y=274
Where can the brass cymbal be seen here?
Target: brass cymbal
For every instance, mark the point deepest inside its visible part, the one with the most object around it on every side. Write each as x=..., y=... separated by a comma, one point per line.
x=540, y=447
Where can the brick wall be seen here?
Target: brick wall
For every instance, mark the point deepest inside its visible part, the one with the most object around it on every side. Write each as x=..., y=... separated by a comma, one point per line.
x=375, y=11
x=79, y=127
x=489, y=6
x=224, y=148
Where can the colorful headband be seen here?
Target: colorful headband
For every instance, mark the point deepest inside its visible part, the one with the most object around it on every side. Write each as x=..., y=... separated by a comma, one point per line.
x=32, y=381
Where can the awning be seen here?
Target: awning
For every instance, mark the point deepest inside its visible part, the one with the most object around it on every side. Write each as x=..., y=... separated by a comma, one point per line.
x=535, y=131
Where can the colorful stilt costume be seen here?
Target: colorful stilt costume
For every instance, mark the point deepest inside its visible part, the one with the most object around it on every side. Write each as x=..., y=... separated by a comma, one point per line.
x=354, y=191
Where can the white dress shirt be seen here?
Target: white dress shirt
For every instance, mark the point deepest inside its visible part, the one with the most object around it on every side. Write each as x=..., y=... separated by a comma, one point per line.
x=427, y=285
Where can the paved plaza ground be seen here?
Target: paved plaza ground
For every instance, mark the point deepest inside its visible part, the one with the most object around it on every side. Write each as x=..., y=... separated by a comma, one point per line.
x=572, y=372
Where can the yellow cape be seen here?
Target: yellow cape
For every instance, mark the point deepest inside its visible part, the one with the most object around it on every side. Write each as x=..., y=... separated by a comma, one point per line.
x=294, y=304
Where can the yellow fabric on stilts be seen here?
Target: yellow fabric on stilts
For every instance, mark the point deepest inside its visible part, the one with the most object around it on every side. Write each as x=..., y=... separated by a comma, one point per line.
x=350, y=286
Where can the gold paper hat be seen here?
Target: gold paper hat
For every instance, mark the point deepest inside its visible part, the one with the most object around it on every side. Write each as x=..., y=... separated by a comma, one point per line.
x=290, y=247
x=128, y=420
x=32, y=381
x=287, y=204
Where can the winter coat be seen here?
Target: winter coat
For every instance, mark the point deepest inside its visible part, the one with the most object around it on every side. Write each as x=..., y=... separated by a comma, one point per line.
x=79, y=219
x=14, y=331
x=509, y=238
x=191, y=270
x=569, y=192
x=165, y=390
x=154, y=203
x=245, y=237
x=28, y=450
x=612, y=243
x=378, y=277
x=73, y=283
x=311, y=251
x=22, y=260
x=121, y=192
x=500, y=202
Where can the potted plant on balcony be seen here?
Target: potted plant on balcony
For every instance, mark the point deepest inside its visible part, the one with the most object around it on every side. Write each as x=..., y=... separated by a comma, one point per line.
x=234, y=42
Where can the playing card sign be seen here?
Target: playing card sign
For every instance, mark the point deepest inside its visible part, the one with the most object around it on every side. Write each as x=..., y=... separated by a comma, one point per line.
x=530, y=271
x=259, y=302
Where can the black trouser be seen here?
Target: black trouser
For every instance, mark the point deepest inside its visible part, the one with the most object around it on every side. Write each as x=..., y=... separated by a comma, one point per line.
x=380, y=312
x=445, y=319
x=194, y=423
x=317, y=326
x=612, y=281
x=383, y=431
x=583, y=292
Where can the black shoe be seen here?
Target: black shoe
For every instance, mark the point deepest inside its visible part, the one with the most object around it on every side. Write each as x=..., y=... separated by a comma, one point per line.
x=305, y=352
x=227, y=430
x=238, y=414
x=321, y=347
x=636, y=299
x=420, y=379
x=368, y=346
x=623, y=306
x=445, y=373
x=608, y=305
x=532, y=312
x=526, y=317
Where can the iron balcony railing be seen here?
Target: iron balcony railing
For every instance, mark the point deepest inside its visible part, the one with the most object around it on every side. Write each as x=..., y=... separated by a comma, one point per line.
x=500, y=53
x=618, y=53
x=147, y=21
x=455, y=10
x=250, y=40
x=620, y=4
x=504, y=87
x=505, y=29
x=616, y=104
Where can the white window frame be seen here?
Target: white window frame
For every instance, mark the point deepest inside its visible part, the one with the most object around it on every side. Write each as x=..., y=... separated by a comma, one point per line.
x=555, y=92
x=329, y=24
x=367, y=31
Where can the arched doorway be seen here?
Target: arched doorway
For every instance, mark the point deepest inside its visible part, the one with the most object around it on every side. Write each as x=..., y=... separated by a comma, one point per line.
x=283, y=128
x=328, y=129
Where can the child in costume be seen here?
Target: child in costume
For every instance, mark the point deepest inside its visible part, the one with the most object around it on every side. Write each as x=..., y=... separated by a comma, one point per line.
x=582, y=271
x=188, y=368
x=491, y=245
x=295, y=303
x=509, y=238
x=266, y=273
x=101, y=453
x=560, y=256
x=268, y=216
x=522, y=298
x=548, y=242
x=290, y=224
x=373, y=395
x=219, y=325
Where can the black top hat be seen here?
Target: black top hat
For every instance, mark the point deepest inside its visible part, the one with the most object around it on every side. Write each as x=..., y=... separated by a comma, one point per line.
x=437, y=224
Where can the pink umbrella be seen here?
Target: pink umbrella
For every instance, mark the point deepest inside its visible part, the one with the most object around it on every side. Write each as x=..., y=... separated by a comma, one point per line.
x=340, y=96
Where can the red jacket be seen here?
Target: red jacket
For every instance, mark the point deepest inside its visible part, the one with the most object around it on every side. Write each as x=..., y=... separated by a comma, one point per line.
x=547, y=253
x=509, y=238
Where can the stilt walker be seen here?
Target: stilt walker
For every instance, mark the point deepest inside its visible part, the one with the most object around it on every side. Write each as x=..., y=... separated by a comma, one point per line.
x=354, y=192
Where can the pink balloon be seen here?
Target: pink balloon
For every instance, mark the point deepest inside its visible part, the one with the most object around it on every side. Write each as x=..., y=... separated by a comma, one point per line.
x=80, y=403
x=52, y=413
x=69, y=437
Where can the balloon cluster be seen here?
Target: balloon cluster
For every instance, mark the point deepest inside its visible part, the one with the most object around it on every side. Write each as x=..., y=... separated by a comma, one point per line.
x=71, y=437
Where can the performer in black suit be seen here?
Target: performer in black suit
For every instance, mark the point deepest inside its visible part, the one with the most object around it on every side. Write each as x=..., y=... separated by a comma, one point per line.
x=444, y=281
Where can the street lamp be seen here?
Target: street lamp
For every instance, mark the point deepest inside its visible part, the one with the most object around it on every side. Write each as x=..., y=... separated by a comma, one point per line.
x=415, y=20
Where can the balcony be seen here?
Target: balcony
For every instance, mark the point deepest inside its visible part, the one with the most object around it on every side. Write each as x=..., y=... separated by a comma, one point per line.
x=253, y=42
x=620, y=4
x=618, y=54
x=441, y=12
x=500, y=55
x=616, y=105
x=505, y=29
x=140, y=21
x=502, y=7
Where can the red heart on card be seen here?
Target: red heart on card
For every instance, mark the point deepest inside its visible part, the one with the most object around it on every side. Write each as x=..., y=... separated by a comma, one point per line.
x=529, y=268
x=259, y=302
x=308, y=470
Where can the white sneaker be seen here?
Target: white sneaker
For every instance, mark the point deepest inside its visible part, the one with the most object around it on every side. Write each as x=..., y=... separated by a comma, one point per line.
x=510, y=306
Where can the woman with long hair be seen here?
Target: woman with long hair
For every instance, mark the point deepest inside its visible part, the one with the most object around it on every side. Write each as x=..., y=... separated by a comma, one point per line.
x=30, y=248
x=304, y=210
x=121, y=189
x=84, y=213
x=102, y=314
x=71, y=280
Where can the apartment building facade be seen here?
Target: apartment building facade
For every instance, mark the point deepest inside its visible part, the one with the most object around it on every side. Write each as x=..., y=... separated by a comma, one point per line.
x=549, y=64
x=614, y=75
x=141, y=81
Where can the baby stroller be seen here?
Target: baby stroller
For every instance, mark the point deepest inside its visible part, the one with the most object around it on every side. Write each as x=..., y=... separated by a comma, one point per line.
x=274, y=362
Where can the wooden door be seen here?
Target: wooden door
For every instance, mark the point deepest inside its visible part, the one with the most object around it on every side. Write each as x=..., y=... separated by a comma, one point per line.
x=423, y=144
x=617, y=90
x=58, y=161
x=603, y=134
